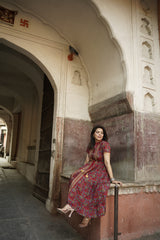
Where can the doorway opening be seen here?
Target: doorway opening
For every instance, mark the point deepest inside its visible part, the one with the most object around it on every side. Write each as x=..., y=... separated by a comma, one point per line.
x=27, y=94
x=3, y=138
x=41, y=188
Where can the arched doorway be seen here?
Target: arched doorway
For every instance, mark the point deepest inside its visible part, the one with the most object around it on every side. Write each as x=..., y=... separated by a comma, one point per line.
x=27, y=93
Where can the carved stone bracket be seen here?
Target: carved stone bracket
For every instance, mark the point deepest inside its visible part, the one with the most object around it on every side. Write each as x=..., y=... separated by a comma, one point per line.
x=115, y=106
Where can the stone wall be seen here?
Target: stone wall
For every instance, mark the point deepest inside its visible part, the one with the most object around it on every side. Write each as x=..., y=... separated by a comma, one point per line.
x=116, y=115
x=76, y=139
x=120, y=131
x=147, y=151
x=134, y=138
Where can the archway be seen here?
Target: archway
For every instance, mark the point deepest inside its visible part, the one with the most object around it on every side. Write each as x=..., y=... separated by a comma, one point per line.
x=22, y=93
x=90, y=34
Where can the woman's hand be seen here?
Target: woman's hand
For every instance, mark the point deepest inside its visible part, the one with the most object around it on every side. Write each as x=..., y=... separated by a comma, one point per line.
x=117, y=182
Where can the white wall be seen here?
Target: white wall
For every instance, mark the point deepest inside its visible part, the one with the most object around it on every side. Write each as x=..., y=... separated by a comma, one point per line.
x=125, y=20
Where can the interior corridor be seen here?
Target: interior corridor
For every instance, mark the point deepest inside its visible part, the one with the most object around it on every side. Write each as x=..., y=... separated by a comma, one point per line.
x=22, y=216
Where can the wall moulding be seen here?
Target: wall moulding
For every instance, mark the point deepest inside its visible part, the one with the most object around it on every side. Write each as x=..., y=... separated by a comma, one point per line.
x=27, y=21
x=149, y=87
x=5, y=30
x=128, y=187
x=134, y=188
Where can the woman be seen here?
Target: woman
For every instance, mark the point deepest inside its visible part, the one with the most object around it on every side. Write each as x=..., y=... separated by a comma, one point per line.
x=89, y=185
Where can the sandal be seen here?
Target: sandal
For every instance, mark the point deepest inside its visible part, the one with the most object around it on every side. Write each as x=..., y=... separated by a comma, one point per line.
x=84, y=222
x=67, y=208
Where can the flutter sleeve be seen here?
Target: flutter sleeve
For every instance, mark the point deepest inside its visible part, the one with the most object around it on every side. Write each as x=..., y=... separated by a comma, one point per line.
x=106, y=147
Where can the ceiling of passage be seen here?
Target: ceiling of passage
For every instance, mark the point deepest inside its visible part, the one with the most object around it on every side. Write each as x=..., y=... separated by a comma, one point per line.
x=17, y=76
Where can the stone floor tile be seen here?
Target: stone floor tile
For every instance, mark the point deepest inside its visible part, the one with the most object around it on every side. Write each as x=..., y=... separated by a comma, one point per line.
x=17, y=229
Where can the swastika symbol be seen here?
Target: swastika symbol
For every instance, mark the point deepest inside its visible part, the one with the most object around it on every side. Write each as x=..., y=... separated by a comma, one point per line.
x=24, y=23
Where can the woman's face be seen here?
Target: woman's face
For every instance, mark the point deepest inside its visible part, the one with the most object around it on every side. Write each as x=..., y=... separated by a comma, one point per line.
x=98, y=134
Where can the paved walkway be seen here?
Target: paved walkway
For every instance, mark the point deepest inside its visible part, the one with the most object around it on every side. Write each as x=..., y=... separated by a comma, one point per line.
x=23, y=217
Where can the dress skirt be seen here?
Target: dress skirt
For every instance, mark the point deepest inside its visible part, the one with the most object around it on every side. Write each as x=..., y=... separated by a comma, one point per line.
x=88, y=189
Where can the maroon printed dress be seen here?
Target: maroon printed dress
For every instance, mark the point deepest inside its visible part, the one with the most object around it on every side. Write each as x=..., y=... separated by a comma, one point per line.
x=89, y=184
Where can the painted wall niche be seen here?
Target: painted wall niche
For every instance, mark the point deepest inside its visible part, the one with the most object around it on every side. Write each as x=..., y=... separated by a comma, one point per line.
x=148, y=75
x=147, y=50
x=149, y=102
x=77, y=79
x=145, y=27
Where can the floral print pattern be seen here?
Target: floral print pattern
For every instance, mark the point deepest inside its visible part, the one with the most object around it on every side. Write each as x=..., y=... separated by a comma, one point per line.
x=89, y=185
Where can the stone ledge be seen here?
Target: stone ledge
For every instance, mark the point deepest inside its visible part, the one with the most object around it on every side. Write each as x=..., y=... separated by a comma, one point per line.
x=133, y=188
x=128, y=187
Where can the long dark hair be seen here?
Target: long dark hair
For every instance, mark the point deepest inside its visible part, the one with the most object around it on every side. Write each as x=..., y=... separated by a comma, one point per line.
x=92, y=139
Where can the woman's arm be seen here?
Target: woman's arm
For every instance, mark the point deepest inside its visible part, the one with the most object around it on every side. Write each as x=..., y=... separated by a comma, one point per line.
x=109, y=168
x=87, y=159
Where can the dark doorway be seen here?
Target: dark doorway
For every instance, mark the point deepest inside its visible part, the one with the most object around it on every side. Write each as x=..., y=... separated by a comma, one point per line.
x=41, y=188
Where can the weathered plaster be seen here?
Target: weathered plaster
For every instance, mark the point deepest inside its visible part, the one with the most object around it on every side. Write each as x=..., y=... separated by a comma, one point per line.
x=147, y=140
x=76, y=139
